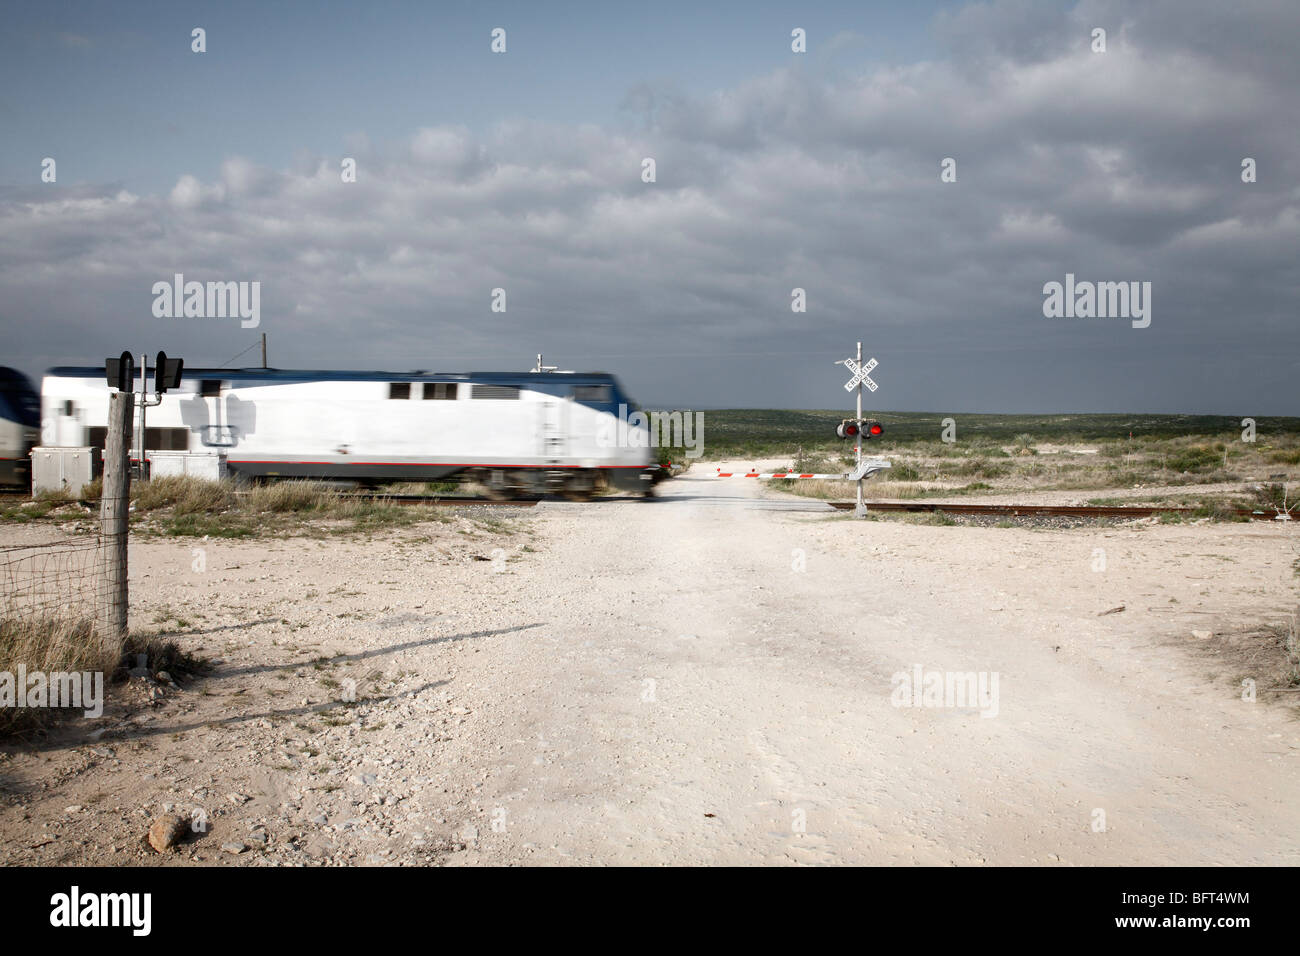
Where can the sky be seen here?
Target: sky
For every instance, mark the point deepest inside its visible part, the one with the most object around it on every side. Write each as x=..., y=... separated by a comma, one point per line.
x=774, y=170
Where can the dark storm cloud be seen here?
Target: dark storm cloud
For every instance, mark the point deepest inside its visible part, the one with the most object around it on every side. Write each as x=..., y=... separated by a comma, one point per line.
x=1116, y=166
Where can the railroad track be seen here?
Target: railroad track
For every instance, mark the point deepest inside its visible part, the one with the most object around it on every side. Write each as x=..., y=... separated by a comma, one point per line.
x=442, y=501
x=914, y=507
x=378, y=496
x=1060, y=511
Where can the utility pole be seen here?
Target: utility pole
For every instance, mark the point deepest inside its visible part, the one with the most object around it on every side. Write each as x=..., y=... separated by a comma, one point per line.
x=114, y=514
x=263, y=350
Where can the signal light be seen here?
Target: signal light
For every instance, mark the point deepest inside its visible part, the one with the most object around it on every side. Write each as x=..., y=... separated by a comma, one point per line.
x=167, y=373
x=120, y=372
x=852, y=428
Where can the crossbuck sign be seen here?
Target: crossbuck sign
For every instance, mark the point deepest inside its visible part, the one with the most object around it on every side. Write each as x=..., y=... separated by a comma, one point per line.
x=861, y=374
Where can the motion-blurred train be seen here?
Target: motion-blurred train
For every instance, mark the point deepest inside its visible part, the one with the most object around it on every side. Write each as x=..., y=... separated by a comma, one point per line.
x=513, y=432
x=20, y=422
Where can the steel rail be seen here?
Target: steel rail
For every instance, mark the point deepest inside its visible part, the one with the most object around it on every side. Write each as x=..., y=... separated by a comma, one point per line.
x=1064, y=511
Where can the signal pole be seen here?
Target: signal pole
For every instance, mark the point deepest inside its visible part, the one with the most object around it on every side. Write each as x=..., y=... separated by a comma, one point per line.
x=861, y=375
x=860, y=511
x=144, y=388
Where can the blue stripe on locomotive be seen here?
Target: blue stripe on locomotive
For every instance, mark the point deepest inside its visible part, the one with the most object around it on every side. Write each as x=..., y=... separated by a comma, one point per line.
x=549, y=383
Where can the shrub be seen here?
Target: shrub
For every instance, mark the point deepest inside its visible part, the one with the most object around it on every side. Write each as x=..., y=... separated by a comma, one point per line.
x=1195, y=458
x=815, y=464
x=284, y=496
x=52, y=498
x=185, y=495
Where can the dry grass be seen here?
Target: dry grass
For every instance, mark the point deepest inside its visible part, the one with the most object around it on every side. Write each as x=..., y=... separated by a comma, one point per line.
x=187, y=506
x=289, y=496
x=69, y=645
x=1268, y=655
x=48, y=644
x=182, y=494
x=184, y=506
x=446, y=489
x=1289, y=638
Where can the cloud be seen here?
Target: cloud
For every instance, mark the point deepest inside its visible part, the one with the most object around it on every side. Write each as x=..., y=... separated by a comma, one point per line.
x=189, y=193
x=449, y=150
x=1115, y=166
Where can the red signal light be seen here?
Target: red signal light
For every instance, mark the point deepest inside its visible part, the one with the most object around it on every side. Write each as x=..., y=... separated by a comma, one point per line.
x=858, y=428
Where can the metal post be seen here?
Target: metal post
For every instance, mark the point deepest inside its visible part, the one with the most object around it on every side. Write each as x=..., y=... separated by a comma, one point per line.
x=144, y=396
x=114, y=515
x=861, y=510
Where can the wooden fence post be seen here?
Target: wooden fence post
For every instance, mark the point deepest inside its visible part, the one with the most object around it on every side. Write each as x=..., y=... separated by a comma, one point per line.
x=114, y=523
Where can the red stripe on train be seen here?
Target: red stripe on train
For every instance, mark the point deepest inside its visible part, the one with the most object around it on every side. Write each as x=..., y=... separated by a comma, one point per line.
x=414, y=464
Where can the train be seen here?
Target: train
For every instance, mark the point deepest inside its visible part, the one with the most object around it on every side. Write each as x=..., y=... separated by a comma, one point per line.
x=512, y=432
x=20, y=422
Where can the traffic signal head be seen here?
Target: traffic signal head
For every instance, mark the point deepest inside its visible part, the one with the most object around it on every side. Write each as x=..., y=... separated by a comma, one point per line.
x=866, y=428
x=167, y=373
x=120, y=372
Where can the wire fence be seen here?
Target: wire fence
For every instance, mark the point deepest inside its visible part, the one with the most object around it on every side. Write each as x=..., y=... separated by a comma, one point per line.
x=52, y=581
x=48, y=629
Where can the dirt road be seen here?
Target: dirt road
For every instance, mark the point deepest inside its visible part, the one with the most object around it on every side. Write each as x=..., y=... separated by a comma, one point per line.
x=703, y=678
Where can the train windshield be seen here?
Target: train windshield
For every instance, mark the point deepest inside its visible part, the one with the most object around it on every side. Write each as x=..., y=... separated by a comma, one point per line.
x=620, y=397
x=18, y=400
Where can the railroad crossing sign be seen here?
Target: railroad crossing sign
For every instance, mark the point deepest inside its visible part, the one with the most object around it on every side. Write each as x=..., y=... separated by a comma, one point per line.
x=861, y=375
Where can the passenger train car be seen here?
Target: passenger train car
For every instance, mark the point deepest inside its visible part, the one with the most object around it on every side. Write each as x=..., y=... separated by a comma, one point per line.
x=19, y=426
x=513, y=432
